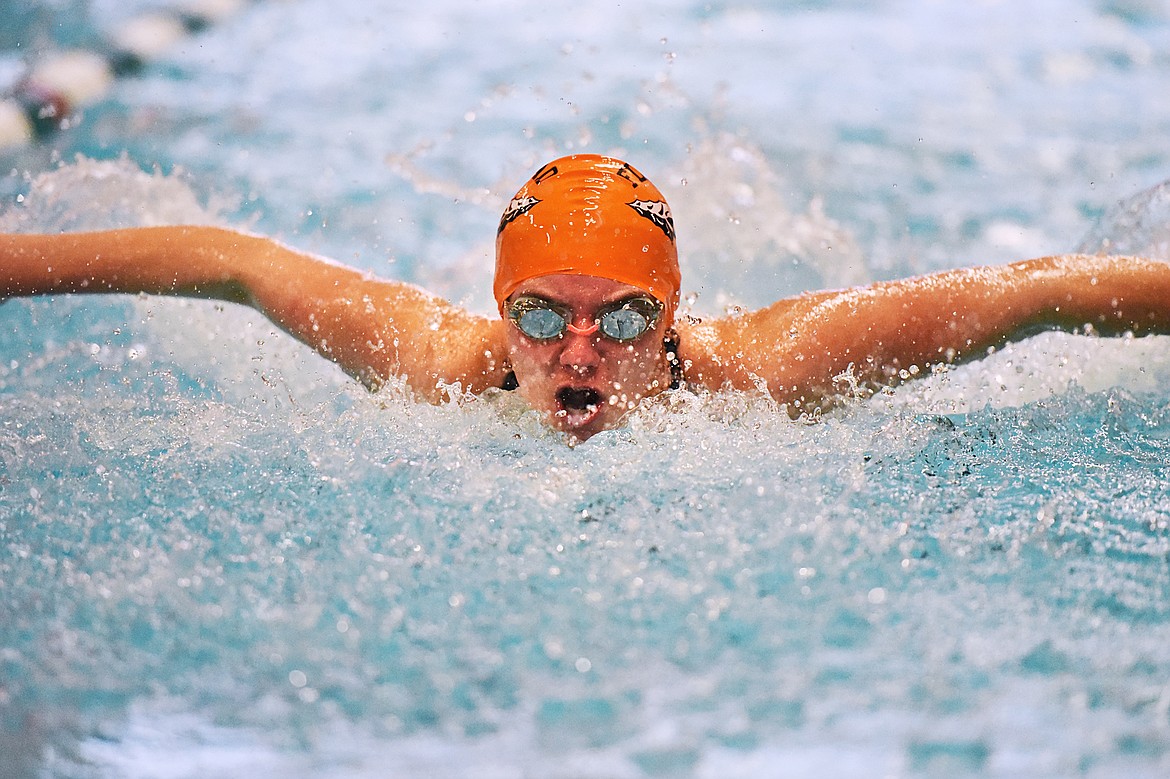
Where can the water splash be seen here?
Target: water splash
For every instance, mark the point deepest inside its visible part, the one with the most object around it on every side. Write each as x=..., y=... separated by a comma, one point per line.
x=1138, y=225
x=743, y=244
x=63, y=199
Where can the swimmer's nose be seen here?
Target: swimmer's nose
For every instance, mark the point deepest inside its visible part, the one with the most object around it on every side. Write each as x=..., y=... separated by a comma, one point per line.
x=580, y=351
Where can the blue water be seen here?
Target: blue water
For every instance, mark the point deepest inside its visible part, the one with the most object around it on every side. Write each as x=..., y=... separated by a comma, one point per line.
x=219, y=558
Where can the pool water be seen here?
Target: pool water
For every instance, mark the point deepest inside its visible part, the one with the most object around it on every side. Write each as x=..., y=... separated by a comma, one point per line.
x=220, y=558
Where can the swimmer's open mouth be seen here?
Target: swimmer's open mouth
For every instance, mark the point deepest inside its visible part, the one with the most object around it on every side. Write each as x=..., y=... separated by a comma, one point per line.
x=578, y=405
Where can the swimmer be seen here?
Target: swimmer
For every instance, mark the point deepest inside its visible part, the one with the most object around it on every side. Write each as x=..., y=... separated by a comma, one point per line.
x=587, y=287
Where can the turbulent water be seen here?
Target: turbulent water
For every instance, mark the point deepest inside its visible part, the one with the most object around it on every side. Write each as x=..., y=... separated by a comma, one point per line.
x=219, y=557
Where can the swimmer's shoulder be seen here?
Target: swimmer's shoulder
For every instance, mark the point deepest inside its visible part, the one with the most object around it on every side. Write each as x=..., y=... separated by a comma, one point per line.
x=731, y=350
x=701, y=352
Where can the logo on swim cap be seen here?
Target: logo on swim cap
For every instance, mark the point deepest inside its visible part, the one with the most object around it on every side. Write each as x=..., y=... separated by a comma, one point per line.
x=519, y=206
x=657, y=212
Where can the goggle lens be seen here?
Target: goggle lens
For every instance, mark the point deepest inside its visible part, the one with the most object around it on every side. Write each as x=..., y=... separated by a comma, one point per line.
x=540, y=323
x=624, y=324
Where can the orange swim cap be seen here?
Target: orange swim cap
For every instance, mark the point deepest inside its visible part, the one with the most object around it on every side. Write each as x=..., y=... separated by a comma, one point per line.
x=589, y=215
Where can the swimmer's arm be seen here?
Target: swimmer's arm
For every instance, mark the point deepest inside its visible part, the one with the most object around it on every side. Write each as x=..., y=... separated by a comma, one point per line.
x=889, y=332
x=372, y=328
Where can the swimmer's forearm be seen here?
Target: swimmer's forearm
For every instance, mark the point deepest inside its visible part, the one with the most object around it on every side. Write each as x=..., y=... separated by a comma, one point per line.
x=1107, y=295
x=958, y=315
x=961, y=314
x=183, y=260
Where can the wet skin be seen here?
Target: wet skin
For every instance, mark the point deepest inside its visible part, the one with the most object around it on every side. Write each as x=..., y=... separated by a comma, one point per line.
x=584, y=384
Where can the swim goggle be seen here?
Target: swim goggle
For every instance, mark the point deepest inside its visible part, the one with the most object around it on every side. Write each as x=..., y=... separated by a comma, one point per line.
x=622, y=321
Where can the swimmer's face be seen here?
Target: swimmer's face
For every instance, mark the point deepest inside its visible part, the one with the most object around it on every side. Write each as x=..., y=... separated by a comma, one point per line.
x=586, y=383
